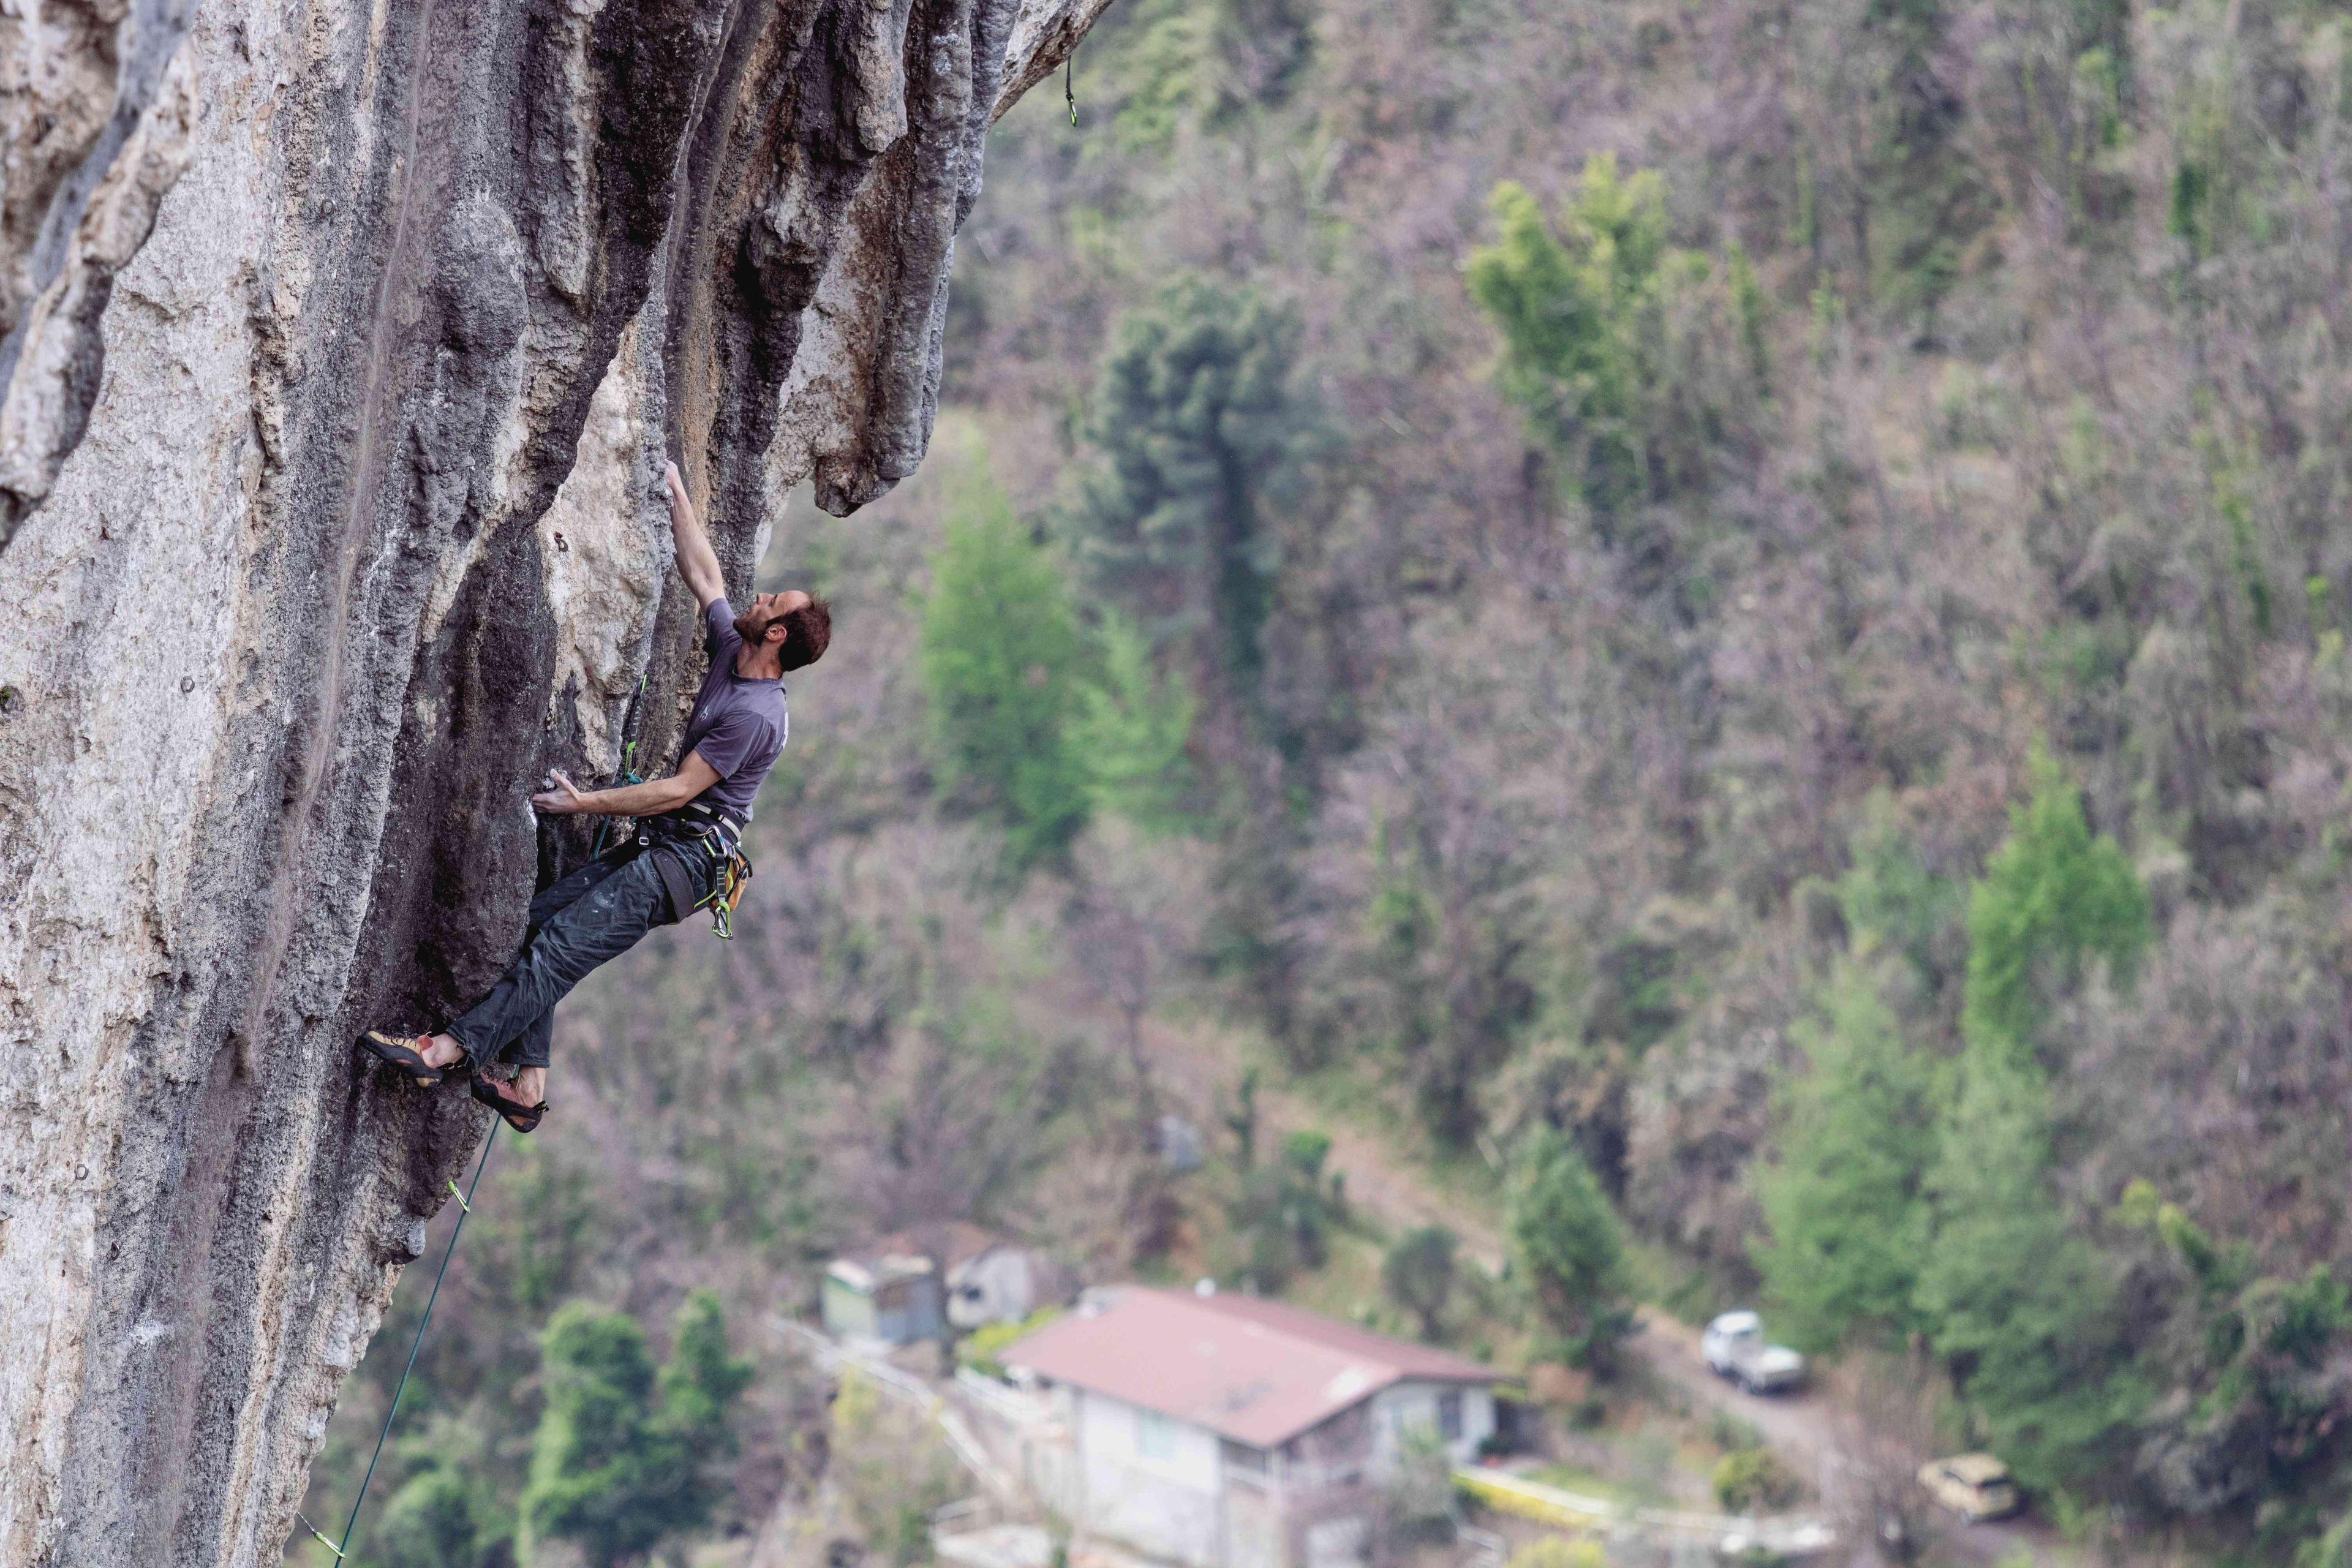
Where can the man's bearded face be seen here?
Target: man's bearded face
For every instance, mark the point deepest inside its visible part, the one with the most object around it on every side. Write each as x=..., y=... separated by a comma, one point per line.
x=765, y=610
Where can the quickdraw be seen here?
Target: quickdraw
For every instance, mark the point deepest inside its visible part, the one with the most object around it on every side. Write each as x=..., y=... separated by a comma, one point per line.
x=734, y=876
x=722, y=838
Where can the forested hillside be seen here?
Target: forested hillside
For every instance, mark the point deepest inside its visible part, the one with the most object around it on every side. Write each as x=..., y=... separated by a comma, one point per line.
x=1761, y=587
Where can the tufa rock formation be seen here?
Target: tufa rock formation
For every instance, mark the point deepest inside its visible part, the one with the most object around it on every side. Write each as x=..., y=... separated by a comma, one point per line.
x=340, y=345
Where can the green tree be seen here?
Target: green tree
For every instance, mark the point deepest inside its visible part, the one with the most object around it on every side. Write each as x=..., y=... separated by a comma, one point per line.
x=2022, y=1308
x=1566, y=1242
x=1286, y=1210
x=2255, y=1355
x=1890, y=900
x=618, y=1461
x=599, y=1465
x=1241, y=1119
x=1842, y=1206
x=1130, y=731
x=2053, y=898
x=1418, y=1275
x=434, y=1520
x=700, y=1385
x=1581, y=314
x=1000, y=666
x=1203, y=442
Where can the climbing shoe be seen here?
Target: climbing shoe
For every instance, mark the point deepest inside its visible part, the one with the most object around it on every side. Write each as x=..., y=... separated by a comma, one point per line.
x=520, y=1117
x=406, y=1055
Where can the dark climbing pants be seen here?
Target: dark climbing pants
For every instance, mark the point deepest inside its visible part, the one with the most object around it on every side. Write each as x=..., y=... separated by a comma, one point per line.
x=593, y=915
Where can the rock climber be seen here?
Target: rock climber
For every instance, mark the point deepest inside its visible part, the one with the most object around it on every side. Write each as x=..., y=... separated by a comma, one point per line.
x=683, y=855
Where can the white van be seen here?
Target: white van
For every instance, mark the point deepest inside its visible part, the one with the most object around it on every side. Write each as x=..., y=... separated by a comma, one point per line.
x=1734, y=1347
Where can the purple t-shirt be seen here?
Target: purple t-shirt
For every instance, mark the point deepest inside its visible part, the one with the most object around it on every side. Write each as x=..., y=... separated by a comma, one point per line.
x=738, y=725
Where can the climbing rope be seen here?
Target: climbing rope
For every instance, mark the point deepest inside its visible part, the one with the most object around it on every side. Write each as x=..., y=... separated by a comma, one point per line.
x=1069, y=91
x=629, y=775
x=464, y=1211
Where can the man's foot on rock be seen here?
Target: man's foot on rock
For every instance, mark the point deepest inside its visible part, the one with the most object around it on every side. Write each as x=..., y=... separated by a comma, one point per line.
x=410, y=1054
x=442, y=1052
x=518, y=1113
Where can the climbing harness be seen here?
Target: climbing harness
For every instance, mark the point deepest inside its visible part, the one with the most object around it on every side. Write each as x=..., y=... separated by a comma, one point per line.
x=718, y=831
x=719, y=834
x=464, y=1211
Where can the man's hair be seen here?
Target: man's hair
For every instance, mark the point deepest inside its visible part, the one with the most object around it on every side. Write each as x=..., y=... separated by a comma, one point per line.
x=808, y=632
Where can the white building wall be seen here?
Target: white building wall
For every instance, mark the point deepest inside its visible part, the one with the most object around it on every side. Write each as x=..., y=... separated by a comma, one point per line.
x=1166, y=1504
x=1402, y=1406
x=1005, y=1285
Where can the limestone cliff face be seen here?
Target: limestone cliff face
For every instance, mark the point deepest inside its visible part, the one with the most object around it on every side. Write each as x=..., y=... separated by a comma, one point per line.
x=340, y=344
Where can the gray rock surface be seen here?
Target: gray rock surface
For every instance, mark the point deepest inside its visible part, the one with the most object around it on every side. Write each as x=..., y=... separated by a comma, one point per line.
x=339, y=347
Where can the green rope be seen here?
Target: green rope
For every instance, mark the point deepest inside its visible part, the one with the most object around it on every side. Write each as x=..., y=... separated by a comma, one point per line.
x=1069, y=90
x=629, y=775
x=465, y=1211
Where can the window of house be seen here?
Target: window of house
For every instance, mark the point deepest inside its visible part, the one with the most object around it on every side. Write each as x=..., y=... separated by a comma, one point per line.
x=1449, y=1414
x=1241, y=1456
x=1155, y=1435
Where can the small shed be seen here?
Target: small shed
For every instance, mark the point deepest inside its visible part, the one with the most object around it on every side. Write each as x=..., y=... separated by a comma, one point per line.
x=889, y=1296
x=931, y=1279
x=988, y=1279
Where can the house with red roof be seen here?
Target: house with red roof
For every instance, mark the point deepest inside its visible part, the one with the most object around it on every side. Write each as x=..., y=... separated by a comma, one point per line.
x=1222, y=1431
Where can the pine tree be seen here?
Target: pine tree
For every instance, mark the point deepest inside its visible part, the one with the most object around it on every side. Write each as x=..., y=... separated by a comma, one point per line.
x=1844, y=1205
x=1203, y=442
x=700, y=1385
x=618, y=1462
x=2021, y=1308
x=2053, y=898
x=1565, y=1239
x=1130, y=732
x=598, y=1464
x=434, y=1520
x=1000, y=660
x=1890, y=900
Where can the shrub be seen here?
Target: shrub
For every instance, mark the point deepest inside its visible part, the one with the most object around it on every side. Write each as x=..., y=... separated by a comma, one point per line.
x=1560, y=1551
x=1750, y=1481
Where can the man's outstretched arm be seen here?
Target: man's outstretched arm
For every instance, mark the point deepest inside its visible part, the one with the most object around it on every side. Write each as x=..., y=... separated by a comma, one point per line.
x=697, y=562
x=648, y=799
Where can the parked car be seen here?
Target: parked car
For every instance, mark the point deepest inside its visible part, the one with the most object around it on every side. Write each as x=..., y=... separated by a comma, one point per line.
x=1734, y=1347
x=1974, y=1486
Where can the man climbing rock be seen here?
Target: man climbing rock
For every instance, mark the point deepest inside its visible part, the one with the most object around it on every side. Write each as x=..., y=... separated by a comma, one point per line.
x=684, y=854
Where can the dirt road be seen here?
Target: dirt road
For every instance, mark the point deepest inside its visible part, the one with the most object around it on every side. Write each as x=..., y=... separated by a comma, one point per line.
x=1811, y=1435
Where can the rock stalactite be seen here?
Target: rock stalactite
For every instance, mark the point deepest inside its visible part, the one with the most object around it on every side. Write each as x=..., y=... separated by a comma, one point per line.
x=340, y=344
